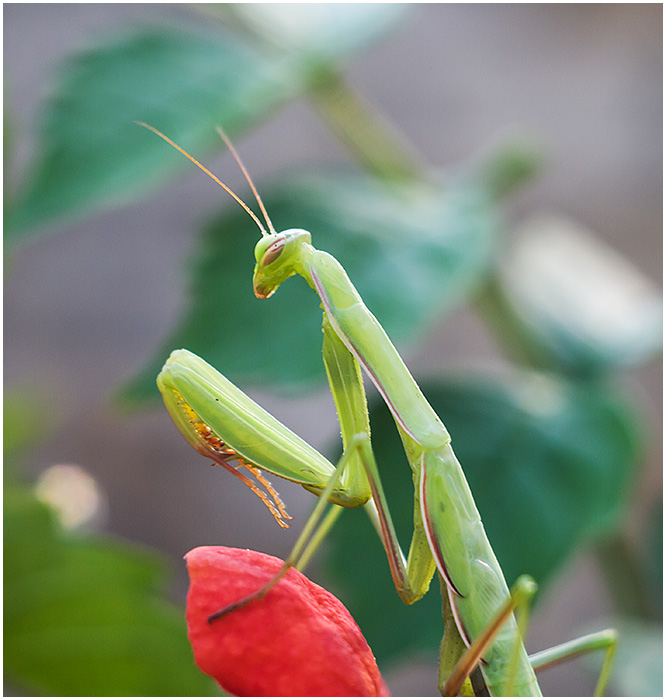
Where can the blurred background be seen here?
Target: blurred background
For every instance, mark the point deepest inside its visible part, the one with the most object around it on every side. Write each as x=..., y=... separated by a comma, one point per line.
x=88, y=302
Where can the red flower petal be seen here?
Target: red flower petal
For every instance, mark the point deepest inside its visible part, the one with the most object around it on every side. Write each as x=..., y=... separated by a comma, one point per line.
x=297, y=641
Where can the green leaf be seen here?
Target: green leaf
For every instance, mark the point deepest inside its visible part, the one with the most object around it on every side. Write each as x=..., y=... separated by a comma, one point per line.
x=92, y=155
x=321, y=31
x=549, y=464
x=23, y=409
x=412, y=252
x=583, y=307
x=84, y=616
x=638, y=667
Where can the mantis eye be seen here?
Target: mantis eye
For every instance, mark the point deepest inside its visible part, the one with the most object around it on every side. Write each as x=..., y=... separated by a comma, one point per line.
x=273, y=252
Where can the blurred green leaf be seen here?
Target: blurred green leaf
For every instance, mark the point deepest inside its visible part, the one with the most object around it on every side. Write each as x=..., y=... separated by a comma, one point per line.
x=638, y=668
x=83, y=615
x=548, y=462
x=319, y=31
x=22, y=411
x=412, y=252
x=581, y=305
x=92, y=155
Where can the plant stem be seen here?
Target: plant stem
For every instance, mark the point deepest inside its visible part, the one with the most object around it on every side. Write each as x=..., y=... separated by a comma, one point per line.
x=515, y=339
x=375, y=143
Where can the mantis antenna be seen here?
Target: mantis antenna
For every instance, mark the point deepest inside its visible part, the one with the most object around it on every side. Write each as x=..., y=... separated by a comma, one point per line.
x=219, y=182
x=231, y=148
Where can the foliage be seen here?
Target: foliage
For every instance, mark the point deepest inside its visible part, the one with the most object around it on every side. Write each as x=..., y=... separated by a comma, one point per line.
x=86, y=615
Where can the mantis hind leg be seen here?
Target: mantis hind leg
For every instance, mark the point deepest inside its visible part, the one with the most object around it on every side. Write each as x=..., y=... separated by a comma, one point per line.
x=605, y=640
x=460, y=678
x=519, y=600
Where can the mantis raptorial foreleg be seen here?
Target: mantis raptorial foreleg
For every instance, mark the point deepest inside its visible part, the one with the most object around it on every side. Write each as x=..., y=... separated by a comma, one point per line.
x=315, y=528
x=412, y=575
x=225, y=425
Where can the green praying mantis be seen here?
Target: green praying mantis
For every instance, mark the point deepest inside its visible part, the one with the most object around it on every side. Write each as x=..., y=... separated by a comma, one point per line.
x=484, y=639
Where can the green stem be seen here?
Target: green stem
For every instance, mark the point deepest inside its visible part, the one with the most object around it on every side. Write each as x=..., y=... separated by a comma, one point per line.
x=516, y=341
x=375, y=143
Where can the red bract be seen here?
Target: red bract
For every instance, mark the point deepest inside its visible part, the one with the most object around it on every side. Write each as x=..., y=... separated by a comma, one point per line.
x=299, y=640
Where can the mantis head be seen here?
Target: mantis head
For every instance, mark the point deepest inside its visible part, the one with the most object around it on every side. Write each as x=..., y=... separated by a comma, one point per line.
x=278, y=256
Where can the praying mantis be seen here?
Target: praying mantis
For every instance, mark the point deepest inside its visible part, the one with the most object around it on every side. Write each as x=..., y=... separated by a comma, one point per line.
x=225, y=425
